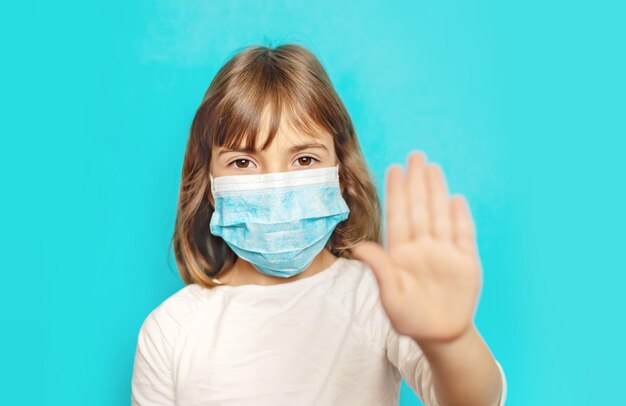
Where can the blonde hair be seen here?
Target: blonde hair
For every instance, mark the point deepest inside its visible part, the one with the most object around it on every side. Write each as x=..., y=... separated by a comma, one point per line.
x=285, y=79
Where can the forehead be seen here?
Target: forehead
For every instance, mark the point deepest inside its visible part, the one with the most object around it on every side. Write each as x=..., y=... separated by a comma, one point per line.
x=292, y=130
x=287, y=136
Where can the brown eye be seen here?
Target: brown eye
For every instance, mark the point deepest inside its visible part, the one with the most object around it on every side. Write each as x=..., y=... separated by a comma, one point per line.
x=306, y=161
x=241, y=163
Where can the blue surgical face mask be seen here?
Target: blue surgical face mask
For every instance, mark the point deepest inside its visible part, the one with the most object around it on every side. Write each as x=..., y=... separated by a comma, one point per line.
x=278, y=221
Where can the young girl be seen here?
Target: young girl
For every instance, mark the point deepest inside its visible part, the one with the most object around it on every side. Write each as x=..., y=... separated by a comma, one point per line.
x=290, y=298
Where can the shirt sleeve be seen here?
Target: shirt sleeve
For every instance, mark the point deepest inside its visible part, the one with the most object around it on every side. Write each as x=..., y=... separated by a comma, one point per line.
x=404, y=353
x=152, y=382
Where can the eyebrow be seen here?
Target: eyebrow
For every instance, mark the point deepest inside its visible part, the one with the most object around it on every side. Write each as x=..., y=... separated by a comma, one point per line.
x=292, y=150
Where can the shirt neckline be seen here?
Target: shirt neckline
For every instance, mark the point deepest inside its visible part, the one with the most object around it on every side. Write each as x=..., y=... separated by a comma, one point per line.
x=326, y=272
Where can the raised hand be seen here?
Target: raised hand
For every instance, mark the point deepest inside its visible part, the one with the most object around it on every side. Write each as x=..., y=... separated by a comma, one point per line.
x=429, y=274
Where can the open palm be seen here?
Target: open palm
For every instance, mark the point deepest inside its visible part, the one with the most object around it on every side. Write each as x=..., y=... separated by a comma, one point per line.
x=429, y=274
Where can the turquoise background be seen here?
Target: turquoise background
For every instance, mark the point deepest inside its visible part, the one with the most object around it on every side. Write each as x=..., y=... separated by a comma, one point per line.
x=522, y=104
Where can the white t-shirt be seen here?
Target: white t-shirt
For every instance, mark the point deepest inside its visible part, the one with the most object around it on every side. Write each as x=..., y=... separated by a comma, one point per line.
x=320, y=340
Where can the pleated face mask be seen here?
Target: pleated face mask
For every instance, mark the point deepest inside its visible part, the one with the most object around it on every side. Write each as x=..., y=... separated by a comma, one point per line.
x=278, y=221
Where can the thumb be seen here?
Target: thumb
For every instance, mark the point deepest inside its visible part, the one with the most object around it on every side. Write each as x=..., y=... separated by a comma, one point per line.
x=376, y=257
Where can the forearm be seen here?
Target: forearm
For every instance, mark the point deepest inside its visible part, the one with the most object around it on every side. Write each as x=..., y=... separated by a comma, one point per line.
x=464, y=371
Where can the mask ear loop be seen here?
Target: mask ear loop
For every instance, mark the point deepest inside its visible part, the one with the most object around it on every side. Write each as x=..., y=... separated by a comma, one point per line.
x=338, y=175
x=211, y=184
x=215, y=280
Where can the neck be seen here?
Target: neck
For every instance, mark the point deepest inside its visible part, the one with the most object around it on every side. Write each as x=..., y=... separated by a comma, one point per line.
x=243, y=273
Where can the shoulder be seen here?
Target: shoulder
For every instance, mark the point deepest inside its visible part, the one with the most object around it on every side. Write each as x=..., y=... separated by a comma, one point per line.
x=357, y=283
x=169, y=317
x=356, y=288
x=354, y=273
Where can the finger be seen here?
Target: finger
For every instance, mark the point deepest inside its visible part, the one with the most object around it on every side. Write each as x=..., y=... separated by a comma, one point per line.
x=375, y=256
x=418, y=208
x=463, y=224
x=439, y=206
x=396, y=210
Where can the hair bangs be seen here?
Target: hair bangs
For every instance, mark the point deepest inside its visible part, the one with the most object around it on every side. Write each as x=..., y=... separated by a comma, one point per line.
x=240, y=120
